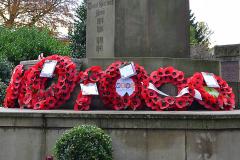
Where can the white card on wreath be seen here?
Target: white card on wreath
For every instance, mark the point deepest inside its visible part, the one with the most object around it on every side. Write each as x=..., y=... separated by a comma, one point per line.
x=48, y=68
x=89, y=89
x=127, y=71
x=210, y=80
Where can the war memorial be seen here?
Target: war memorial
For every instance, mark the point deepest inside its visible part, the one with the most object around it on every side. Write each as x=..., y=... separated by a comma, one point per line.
x=152, y=34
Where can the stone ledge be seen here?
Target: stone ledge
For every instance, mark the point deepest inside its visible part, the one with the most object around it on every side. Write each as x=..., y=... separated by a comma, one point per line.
x=186, y=120
x=189, y=66
x=30, y=63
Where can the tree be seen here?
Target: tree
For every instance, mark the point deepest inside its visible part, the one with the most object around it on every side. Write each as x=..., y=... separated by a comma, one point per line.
x=199, y=32
x=41, y=13
x=78, y=33
x=26, y=43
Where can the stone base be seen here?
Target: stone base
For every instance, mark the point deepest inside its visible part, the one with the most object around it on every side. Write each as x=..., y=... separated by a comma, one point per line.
x=31, y=135
x=189, y=66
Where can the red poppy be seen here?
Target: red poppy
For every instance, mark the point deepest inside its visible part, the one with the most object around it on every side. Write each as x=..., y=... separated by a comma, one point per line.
x=219, y=100
x=111, y=97
x=14, y=88
x=165, y=102
x=90, y=75
x=57, y=93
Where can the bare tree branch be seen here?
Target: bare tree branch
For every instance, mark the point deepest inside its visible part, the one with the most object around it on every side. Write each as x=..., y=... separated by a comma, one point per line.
x=51, y=13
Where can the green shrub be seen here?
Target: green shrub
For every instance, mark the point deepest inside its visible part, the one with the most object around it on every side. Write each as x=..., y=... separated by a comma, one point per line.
x=84, y=143
x=27, y=43
x=5, y=69
x=3, y=88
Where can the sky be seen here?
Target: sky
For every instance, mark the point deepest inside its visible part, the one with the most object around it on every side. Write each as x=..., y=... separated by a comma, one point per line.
x=221, y=16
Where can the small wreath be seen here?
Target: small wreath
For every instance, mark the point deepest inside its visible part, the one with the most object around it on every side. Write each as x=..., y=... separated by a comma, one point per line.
x=110, y=82
x=14, y=87
x=221, y=98
x=165, y=102
x=91, y=75
x=37, y=96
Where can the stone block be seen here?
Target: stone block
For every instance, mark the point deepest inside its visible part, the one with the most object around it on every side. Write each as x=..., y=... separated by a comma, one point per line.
x=212, y=145
x=230, y=70
x=148, y=144
x=22, y=144
x=137, y=28
x=189, y=66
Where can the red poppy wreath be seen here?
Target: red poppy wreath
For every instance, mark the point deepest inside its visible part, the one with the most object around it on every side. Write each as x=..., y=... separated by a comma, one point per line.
x=158, y=100
x=91, y=75
x=38, y=95
x=14, y=87
x=118, y=93
x=220, y=98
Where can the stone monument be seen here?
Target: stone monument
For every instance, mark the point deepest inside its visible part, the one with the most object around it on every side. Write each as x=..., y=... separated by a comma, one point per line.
x=153, y=33
x=137, y=28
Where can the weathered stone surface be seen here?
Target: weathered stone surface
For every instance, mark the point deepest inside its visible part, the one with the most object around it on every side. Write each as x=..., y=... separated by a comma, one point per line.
x=201, y=52
x=213, y=145
x=132, y=144
x=136, y=135
x=230, y=71
x=137, y=28
x=224, y=51
x=189, y=66
x=22, y=144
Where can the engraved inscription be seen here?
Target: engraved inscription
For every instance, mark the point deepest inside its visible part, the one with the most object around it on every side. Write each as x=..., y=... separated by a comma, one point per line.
x=100, y=32
x=100, y=12
x=99, y=4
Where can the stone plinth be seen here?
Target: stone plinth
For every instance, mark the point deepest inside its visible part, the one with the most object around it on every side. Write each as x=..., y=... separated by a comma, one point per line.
x=189, y=66
x=138, y=28
x=27, y=134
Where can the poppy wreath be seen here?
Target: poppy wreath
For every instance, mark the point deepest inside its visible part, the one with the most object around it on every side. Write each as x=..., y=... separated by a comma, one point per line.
x=224, y=100
x=14, y=87
x=164, y=102
x=23, y=92
x=36, y=93
x=90, y=75
x=108, y=92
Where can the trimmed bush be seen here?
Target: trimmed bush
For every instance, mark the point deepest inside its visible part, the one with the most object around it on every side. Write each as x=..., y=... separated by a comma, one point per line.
x=84, y=143
x=26, y=43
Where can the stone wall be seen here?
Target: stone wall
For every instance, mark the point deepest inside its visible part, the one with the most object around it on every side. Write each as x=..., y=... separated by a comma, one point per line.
x=229, y=57
x=27, y=134
x=201, y=52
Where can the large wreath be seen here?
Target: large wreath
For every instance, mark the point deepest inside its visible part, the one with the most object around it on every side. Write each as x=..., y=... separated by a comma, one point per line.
x=14, y=87
x=36, y=93
x=91, y=75
x=108, y=84
x=221, y=98
x=158, y=100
